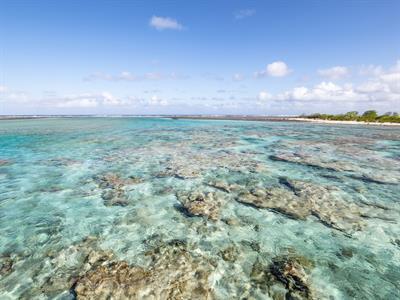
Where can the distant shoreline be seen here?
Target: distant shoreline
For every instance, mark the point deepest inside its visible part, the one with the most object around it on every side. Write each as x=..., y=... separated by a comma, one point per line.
x=280, y=119
x=208, y=117
x=346, y=122
x=233, y=118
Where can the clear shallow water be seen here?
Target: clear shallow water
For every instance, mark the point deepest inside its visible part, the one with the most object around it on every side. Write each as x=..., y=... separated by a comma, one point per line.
x=300, y=210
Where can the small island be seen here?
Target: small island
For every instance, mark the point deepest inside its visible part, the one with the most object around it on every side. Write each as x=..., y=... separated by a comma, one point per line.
x=369, y=116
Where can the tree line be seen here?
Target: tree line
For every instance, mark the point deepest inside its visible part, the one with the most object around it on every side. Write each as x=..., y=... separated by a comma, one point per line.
x=368, y=116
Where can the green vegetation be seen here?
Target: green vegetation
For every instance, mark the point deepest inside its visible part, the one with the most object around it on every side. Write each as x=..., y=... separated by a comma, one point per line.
x=368, y=116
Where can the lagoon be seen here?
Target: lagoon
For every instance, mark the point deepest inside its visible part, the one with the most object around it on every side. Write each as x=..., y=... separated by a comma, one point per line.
x=209, y=209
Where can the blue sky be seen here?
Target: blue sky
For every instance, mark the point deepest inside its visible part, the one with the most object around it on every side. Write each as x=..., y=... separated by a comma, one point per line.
x=214, y=57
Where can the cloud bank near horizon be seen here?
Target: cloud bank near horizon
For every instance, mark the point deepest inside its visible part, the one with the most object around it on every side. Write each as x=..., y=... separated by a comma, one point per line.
x=379, y=89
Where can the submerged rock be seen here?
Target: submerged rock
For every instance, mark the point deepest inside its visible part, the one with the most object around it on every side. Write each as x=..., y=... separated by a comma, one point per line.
x=174, y=273
x=224, y=186
x=114, y=186
x=69, y=264
x=284, y=278
x=60, y=162
x=187, y=172
x=291, y=273
x=4, y=162
x=6, y=265
x=190, y=162
x=114, y=197
x=230, y=254
x=331, y=209
x=113, y=181
x=385, y=172
x=396, y=242
x=300, y=199
x=205, y=204
x=314, y=162
x=105, y=282
x=277, y=199
x=253, y=245
x=377, y=177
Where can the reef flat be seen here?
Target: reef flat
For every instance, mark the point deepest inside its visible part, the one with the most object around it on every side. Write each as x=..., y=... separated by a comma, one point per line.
x=158, y=208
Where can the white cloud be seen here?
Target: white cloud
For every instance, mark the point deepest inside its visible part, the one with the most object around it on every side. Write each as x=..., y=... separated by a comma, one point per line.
x=213, y=76
x=324, y=91
x=153, y=76
x=156, y=101
x=278, y=69
x=371, y=87
x=7, y=94
x=125, y=75
x=382, y=87
x=392, y=80
x=3, y=89
x=237, y=77
x=83, y=103
x=371, y=70
x=334, y=72
x=175, y=76
x=275, y=69
x=385, y=83
x=264, y=96
x=128, y=76
x=244, y=13
x=379, y=90
x=162, y=23
x=87, y=100
x=108, y=99
x=98, y=76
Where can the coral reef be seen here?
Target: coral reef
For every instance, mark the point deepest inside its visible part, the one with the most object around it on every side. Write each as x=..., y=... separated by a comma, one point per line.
x=300, y=199
x=205, y=204
x=6, y=265
x=174, y=273
x=114, y=188
x=284, y=278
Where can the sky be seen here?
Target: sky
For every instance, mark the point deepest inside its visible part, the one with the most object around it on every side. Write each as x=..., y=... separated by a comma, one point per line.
x=199, y=57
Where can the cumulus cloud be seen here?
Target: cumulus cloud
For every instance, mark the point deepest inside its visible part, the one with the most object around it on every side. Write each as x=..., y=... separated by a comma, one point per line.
x=382, y=87
x=244, y=13
x=324, y=91
x=385, y=85
x=162, y=23
x=275, y=69
x=371, y=87
x=334, y=72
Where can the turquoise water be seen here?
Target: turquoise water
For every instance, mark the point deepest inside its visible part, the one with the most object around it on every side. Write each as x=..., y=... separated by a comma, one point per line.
x=320, y=200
